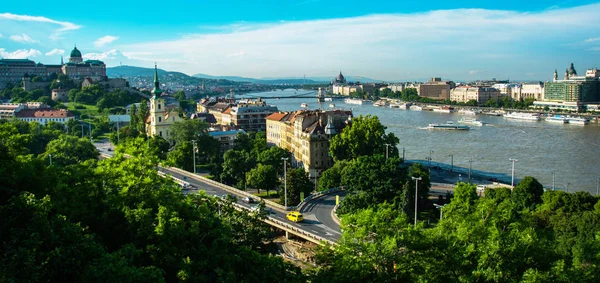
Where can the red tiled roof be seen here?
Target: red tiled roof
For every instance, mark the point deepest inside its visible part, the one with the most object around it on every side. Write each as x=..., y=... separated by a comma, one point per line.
x=277, y=116
x=44, y=113
x=227, y=111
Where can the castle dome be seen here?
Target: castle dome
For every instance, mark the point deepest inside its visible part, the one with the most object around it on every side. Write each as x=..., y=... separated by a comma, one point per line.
x=75, y=53
x=340, y=77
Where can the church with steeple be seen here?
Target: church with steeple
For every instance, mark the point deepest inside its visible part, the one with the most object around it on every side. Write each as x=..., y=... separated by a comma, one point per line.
x=164, y=111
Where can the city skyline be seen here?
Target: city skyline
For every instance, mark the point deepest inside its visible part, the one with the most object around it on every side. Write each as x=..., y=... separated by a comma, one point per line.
x=462, y=40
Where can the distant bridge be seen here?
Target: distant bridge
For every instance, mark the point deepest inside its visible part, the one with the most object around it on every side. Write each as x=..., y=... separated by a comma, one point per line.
x=310, y=94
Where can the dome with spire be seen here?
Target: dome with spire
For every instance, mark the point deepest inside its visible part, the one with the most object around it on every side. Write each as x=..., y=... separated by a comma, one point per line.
x=572, y=71
x=340, y=79
x=76, y=53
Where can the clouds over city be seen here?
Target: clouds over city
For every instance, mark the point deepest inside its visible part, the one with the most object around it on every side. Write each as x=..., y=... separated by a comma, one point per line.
x=22, y=38
x=50, y=28
x=107, y=39
x=384, y=46
x=20, y=54
x=55, y=52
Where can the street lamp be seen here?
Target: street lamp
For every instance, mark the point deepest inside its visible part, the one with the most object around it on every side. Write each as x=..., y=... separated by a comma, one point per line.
x=597, y=186
x=285, y=159
x=512, y=182
x=430, y=152
x=553, y=180
x=81, y=130
x=50, y=159
x=417, y=179
x=386, y=150
x=451, y=162
x=440, y=208
x=194, y=152
x=470, y=165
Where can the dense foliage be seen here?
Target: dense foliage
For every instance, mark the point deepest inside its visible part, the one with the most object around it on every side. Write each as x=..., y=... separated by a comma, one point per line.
x=84, y=220
x=505, y=236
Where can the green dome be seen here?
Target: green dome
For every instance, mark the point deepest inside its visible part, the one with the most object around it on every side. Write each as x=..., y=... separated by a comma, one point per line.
x=76, y=53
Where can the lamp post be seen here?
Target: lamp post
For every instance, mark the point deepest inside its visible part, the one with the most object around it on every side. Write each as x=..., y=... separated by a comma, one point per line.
x=470, y=165
x=285, y=159
x=50, y=159
x=451, y=162
x=417, y=179
x=597, y=186
x=118, y=140
x=567, y=188
x=512, y=182
x=440, y=208
x=81, y=129
x=194, y=152
x=90, y=130
x=386, y=150
x=403, y=154
x=553, y=180
x=430, y=152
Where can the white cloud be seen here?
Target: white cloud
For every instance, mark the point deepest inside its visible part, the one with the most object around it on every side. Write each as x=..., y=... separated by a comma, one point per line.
x=22, y=38
x=20, y=53
x=108, y=55
x=447, y=42
x=105, y=40
x=592, y=39
x=473, y=72
x=55, y=52
x=56, y=34
x=64, y=26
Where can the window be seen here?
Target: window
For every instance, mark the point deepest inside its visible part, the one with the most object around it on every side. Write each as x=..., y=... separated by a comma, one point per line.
x=159, y=106
x=159, y=119
x=160, y=133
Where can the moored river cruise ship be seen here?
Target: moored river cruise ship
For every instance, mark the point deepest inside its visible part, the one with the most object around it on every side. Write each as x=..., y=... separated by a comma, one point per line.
x=523, y=116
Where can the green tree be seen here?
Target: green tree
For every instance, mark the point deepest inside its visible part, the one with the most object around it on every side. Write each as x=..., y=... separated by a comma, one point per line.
x=262, y=176
x=182, y=156
x=187, y=130
x=332, y=177
x=273, y=156
x=67, y=150
x=235, y=165
x=297, y=182
x=365, y=136
x=528, y=192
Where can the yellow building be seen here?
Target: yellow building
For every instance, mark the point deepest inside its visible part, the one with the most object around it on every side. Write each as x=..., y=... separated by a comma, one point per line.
x=164, y=111
x=306, y=134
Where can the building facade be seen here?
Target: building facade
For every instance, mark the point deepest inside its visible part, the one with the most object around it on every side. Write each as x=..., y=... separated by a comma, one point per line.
x=12, y=71
x=435, y=89
x=45, y=116
x=573, y=88
x=306, y=134
x=480, y=94
x=528, y=91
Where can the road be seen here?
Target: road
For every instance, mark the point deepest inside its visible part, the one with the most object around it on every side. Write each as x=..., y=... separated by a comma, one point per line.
x=317, y=218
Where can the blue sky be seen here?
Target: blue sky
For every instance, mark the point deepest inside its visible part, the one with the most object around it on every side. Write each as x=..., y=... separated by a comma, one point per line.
x=387, y=40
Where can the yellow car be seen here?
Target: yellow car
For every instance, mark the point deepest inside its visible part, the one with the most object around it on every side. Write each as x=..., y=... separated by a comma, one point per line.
x=295, y=216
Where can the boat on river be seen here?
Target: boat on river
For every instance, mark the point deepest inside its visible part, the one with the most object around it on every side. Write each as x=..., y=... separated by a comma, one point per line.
x=416, y=108
x=401, y=105
x=557, y=119
x=331, y=105
x=523, y=116
x=380, y=103
x=471, y=121
x=578, y=121
x=303, y=105
x=448, y=126
x=356, y=101
x=444, y=109
x=465, y=111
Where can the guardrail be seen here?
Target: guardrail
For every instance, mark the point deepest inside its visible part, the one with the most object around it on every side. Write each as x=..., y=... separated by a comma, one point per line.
x=227, y=188
x=334, y=216
x=310, y=197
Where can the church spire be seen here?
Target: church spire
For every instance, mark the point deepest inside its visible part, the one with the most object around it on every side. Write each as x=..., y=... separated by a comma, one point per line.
x=156, y=91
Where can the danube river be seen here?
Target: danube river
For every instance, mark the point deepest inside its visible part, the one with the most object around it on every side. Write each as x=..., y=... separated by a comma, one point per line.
x=572, y=152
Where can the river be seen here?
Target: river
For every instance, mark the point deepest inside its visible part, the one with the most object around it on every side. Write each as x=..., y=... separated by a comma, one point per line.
x=572, y=152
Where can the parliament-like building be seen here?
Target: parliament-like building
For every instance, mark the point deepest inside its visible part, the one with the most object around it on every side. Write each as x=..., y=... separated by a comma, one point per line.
x=12, y=71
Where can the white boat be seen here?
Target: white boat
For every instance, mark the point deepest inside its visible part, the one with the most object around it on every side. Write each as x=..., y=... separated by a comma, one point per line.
x=523, y=116
x=379, y=103
x=557, y=119
x=356, y=101
x=400, y=105
x=471, y=121
x=470, y=112
x=578, y=121
x=448, y=126
x=444, y=109
x=416, y=108
x=303, y=105
x=493, y=113
x=328, y=99
x=331, y=105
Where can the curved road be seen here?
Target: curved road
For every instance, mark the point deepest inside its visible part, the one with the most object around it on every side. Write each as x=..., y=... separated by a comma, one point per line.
x=317, y=213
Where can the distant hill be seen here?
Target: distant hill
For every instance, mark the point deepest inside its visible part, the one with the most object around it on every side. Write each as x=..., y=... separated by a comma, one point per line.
x=263, y=80
x=132, y=71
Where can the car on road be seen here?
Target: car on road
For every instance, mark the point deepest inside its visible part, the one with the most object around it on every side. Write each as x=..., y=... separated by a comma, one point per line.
x=260, y=209
x=295, y=216
x=248, y=200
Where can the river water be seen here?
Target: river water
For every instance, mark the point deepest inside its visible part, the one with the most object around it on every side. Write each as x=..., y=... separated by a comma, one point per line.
x=541, y=148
